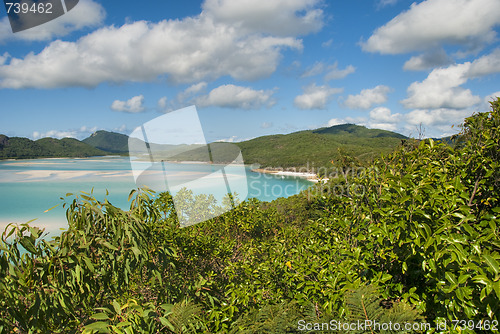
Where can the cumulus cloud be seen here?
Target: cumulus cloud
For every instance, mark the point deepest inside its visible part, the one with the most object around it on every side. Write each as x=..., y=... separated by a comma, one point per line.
x=87, y=14
x=431, y=23
x=277, y=17
x=427, y=60
x=193, y=49
x=367, y=98
x=335, y=121
x=315, y=97
x=383, y=118
x=335, y=73
x=133, y=105
x=80, y=133
x=442, y=87
x=231, y=96
x=485, y=65
x=332, y=72
x=435, y=122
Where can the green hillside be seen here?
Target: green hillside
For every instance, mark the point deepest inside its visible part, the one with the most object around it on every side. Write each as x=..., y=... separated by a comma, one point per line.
x=319, y=147
x=24, y=148
x=304, y=148
x=108, y=141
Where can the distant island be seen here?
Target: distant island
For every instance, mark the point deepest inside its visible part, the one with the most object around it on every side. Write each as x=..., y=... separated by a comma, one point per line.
x=308, y=148
x=24, y=148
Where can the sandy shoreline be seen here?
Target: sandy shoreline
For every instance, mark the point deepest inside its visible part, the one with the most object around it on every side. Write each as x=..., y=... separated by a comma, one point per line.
x=313, y=177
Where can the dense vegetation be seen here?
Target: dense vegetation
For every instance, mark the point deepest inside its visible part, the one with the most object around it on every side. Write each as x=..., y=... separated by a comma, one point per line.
x=311, y=148
x=111, y=142
x=24, y=148
x=319, y=147
x=413, y=237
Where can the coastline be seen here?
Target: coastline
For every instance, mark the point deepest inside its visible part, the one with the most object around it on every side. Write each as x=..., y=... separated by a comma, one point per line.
x=313, y=177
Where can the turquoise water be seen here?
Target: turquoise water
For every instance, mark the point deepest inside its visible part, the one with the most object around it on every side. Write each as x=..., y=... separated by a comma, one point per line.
x=30, y=187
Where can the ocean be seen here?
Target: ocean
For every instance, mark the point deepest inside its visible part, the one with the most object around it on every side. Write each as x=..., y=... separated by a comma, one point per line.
x=30, y=187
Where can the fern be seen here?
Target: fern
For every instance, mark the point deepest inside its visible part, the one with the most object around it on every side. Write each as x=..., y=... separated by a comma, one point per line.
x=365, y=304
x=184, y=317
x=273, y=319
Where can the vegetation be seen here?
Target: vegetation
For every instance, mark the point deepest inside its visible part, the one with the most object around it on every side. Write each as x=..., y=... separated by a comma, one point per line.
x=24, y=148
x=311, y=149
x=413, y=237
x=111, y=142
x=319, y=147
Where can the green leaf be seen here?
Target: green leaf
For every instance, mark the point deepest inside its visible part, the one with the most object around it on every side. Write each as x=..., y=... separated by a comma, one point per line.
x=100, y=316
x=167, y=323
x=491, y=262
x=98, y=326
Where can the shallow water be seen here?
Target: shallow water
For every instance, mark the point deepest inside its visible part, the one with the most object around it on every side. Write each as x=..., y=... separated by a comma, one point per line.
x=30, y=187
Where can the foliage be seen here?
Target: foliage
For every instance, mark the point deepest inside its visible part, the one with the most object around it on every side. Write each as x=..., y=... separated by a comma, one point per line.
x=414, y=238
x=108, y=141
x=24, y=148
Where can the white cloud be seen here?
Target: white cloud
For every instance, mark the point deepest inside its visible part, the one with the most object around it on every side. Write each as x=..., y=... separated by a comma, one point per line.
x=4, y=58
x=383, y=118
x=315, y=97
x=231, y=96
x=87, y=14
x=335, y=121
x=277, y=17
x=193, y=89
x=266, y=125
x=332, y=71
x=434, y=58
x=317, y=68
x=437, y=122
x=203, y=47
x=327, y=44
x=133, y=105
x=81, y=133
x=190, y=91
x=383, y=3
x=442, y=87
x=485, y=65
x=368, y=97
x=430, y=23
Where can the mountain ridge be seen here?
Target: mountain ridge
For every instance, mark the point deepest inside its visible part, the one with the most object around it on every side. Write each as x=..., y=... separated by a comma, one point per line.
x=306, y=147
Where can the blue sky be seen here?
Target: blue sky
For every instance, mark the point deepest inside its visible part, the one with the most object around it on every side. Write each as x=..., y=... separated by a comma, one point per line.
x=252, y=67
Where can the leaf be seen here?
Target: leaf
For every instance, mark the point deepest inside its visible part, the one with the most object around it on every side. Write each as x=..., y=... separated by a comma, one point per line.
x=98, y=326
x=116, y=306
x=167, y=323
x=27, y=243
x=55, y=206
x=492, y=263
x=100, y=316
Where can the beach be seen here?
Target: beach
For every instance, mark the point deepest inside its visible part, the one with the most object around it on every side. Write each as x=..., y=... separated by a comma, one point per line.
x=313, y=177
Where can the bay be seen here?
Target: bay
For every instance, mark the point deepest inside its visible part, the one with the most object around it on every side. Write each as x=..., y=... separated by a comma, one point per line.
x=30, y=187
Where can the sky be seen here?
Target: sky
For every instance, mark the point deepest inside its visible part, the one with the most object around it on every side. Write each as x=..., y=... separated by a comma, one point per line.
x=252, y=67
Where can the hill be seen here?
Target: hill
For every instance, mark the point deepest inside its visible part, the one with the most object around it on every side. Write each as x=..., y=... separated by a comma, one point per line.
x=24, y=148
x=304, y=148
x=318, y=147
x=111, y=142
x=312, y=148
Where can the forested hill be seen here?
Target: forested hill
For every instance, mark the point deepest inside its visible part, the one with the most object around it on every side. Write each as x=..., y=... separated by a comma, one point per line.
x=108, y=141
x=304, y=148
x=320, y=146
x=24, y=148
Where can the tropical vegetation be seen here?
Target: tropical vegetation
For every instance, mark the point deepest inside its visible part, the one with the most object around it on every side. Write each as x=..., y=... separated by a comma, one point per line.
x=411, y=237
